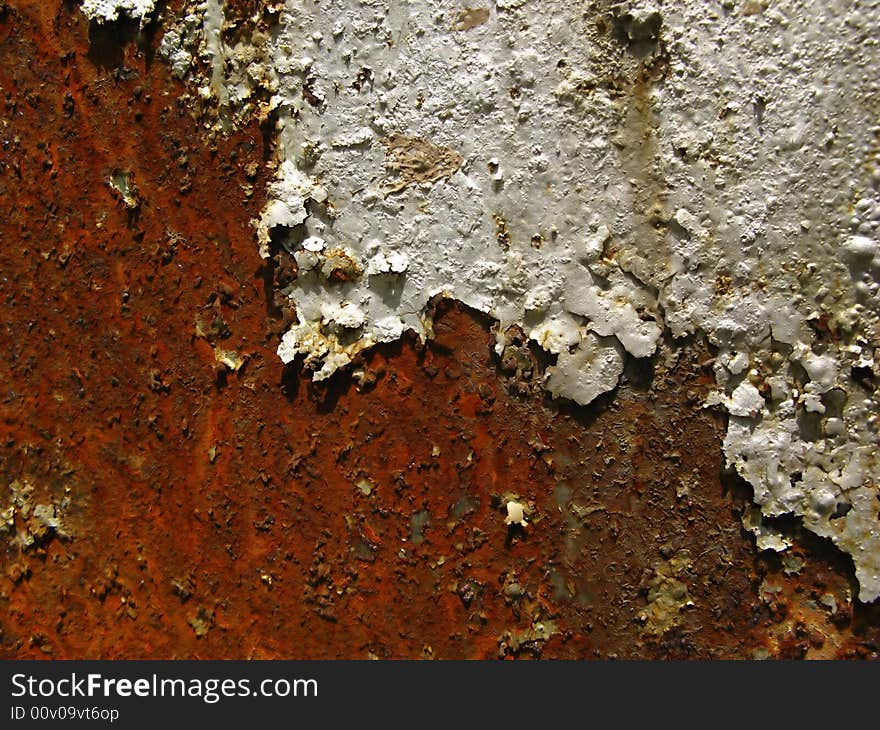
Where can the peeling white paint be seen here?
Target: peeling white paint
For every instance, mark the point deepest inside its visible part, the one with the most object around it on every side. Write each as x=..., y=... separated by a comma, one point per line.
x=515, y=514
x=107, y=11
x=599, y=175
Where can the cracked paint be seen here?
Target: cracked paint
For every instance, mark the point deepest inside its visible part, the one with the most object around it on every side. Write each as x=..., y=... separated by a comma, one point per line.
x=596, y=180
x=171, y=478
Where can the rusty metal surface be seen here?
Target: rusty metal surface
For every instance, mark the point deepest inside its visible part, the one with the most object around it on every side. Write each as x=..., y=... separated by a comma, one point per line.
x=210, y=503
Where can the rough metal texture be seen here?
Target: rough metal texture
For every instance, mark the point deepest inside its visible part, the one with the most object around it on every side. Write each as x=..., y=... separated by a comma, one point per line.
x=175, y=491
x=593, y=177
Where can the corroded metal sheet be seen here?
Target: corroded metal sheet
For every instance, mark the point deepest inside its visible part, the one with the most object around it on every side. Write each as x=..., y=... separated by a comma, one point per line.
x=171, y=489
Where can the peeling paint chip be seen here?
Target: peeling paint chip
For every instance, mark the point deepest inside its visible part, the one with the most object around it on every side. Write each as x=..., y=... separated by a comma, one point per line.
x=122, y=183
x=108, y=11
x=515, y=514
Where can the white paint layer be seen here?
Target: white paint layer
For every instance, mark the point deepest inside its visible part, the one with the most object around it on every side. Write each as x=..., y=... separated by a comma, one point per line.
x=107, y=11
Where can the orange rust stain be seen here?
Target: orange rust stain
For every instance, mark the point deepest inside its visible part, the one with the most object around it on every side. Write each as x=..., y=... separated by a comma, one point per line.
x=272, y=550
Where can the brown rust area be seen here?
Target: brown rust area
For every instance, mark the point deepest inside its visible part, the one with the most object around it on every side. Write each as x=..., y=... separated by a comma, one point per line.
x=469, y=18
x=415, y=160
x=244, y=512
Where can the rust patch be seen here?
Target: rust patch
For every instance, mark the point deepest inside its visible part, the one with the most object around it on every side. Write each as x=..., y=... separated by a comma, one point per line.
x=502, y=232
x=755, y=7
x=416, y=160
x=470, y=18
x=207, y=505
